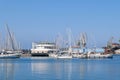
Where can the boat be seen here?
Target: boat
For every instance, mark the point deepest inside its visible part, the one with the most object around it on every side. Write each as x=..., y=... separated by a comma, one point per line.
x=78, y=52
x=53, y=54
x=78, y=55
x=11, y=49
x=79, y=49
x=10, y=55
x=42, y=48
x=98, y=55
x=117, y=51
x=64, y=55
x=106, y=53
x=58, y=45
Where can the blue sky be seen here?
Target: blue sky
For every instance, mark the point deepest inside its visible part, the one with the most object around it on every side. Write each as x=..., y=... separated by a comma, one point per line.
x=39, y=20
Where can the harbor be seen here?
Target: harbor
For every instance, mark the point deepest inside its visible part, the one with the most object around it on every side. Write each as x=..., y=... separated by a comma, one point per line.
x=57, y=49
x=59, y=40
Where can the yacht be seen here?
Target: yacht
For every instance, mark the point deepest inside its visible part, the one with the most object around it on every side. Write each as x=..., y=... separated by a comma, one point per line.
x=42, y=48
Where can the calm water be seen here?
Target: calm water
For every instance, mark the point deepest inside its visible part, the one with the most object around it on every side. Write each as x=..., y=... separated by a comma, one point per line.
x=59, y=69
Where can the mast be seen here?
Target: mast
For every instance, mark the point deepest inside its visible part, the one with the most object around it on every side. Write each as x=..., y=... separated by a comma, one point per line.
x=15, y=44
x=58, y=41
x=10, y=38
x=69, y=41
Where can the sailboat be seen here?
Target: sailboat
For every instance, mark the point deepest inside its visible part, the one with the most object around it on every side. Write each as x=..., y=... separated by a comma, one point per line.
x=64, y=55
x=11, y=48
x=68, y=53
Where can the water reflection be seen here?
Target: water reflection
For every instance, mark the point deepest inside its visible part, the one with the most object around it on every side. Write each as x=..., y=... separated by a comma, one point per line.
x=57, y=69
x=54, y=70
x=73, y=69
x=6, y=70
x=61, y=69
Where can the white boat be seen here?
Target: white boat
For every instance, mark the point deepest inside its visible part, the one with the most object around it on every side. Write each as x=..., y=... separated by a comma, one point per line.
x=53, y=54
x=78, y=55
x=11, y=49
x=9, y=55
x=99, y=55
x=117, y=51
x=68, y=53
x=64, y=55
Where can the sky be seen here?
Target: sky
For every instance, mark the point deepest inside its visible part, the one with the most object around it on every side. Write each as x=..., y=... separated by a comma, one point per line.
x=42, y=20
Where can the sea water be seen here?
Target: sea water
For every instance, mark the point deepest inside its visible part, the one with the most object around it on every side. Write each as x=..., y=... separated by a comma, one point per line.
x=39, y=68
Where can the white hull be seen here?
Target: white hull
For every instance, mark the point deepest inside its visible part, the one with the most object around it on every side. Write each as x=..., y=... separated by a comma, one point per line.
x=15, y=55
x=99, y=55
x=64, y=57
x=90, y=55
x=117, y=51
x=79, y=55
x=53, y=55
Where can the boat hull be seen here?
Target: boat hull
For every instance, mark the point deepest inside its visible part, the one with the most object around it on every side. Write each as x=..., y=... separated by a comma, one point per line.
x=64, y=57
x=10, y=56
x=100, y=55
x=52, y=55
x=40, y=54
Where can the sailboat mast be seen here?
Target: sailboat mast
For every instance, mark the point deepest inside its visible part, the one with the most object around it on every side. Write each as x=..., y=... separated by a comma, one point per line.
x=10, y=37
x=69, y=40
